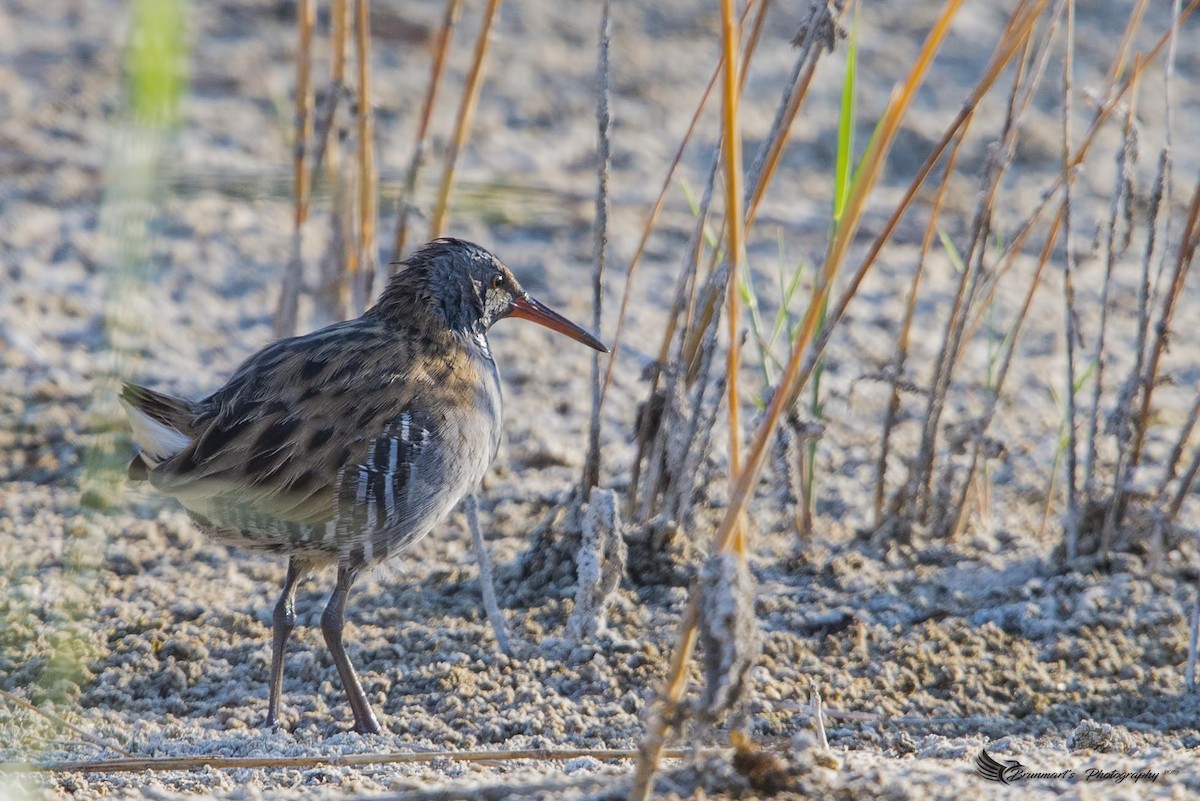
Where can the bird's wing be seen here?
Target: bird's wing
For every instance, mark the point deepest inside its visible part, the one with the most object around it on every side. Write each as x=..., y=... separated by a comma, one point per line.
x=278, y=435
x=338, y=427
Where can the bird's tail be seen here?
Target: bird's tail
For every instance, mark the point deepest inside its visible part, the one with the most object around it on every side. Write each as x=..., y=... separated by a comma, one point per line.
x=161, y=426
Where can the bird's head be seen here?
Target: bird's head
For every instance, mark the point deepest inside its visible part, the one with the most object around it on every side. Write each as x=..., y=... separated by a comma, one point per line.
x=468, y=290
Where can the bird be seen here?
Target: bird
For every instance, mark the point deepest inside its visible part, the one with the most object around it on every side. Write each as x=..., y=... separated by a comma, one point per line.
x=348, y=444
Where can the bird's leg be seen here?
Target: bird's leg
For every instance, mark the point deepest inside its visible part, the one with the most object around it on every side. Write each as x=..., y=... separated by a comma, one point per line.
x=282, y=623
x=331, y=626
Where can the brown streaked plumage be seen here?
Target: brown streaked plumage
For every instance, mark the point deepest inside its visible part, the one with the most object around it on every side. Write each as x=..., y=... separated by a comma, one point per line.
x=347, y=444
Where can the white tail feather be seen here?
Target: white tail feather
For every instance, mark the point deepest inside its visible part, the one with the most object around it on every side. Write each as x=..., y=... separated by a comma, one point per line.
x=158, y=441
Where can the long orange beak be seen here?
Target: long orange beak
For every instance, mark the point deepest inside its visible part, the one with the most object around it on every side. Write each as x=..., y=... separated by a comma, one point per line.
x=528, y=308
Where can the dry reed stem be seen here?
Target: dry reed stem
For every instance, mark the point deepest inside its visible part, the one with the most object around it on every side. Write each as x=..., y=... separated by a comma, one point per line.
x=1101, y=116
x=953, y=139
x=1122, y=54
x=920, y=484
x=731, y=135
x=284, y=323
x=405, y=205
x=367, y=254
x=1122, y=196
x=1187, y=251
x=778, y=142
x=993, y=398
x=55, y=719
x=1185, y=433
x=955, y=133
x=684, y=296
x=648, y=228
x=843, y=234
x=784, y=397
x=340, y=760
x=1070, y=332
x=819, y=32
x=333, y=294
x=337, y=85
x=462, y=124
x=653, y=747
x=1191, y=231
x=1185, y=484
x=591, y=462
x=794, y=379
x=1016, y=110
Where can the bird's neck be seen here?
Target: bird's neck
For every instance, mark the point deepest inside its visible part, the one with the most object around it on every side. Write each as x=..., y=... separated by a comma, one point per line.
x=411, y=300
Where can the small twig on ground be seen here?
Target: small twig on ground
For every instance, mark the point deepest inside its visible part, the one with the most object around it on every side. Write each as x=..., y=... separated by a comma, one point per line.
x=91, y=738
x=487, y=584
x=496, y=792
x=211, y=762
x=818, y=713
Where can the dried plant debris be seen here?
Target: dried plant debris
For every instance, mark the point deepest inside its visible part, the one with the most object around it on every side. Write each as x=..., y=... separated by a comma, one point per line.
x=1092, y=736
x=728, y=633
x=601, y=564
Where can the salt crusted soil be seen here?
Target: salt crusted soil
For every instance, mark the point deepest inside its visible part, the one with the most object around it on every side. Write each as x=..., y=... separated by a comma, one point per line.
x=132, y=626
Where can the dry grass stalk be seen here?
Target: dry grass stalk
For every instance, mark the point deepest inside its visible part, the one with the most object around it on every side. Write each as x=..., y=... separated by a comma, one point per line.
x=818, y=35
x=1122, y=198
x=332, y=298
x=652, y=218
x=360, y=284
x=1187, y=249
x=289, y=297
x=650, y=452
x=1070, y=318
x=731, y=136
x=1016, y=37
x=1073, y=160
x=56, y=720
x=591, y=462
x=952, y=139
x=683, y=408
x=210, y=762
x=405, y=206
x=958, y=510
x=784, y=396
x=462, y=124
x=339, y=28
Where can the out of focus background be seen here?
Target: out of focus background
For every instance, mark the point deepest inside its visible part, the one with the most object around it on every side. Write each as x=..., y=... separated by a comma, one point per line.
x=902, y=308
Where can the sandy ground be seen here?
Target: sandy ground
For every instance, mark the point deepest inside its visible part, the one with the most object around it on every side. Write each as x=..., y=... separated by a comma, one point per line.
x=129, y=624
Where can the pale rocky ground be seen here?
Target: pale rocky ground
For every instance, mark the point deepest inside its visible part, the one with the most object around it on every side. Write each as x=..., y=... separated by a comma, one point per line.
x=132, y=626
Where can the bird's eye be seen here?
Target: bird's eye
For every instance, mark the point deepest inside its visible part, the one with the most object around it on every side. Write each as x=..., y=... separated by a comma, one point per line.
x=497, y=281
